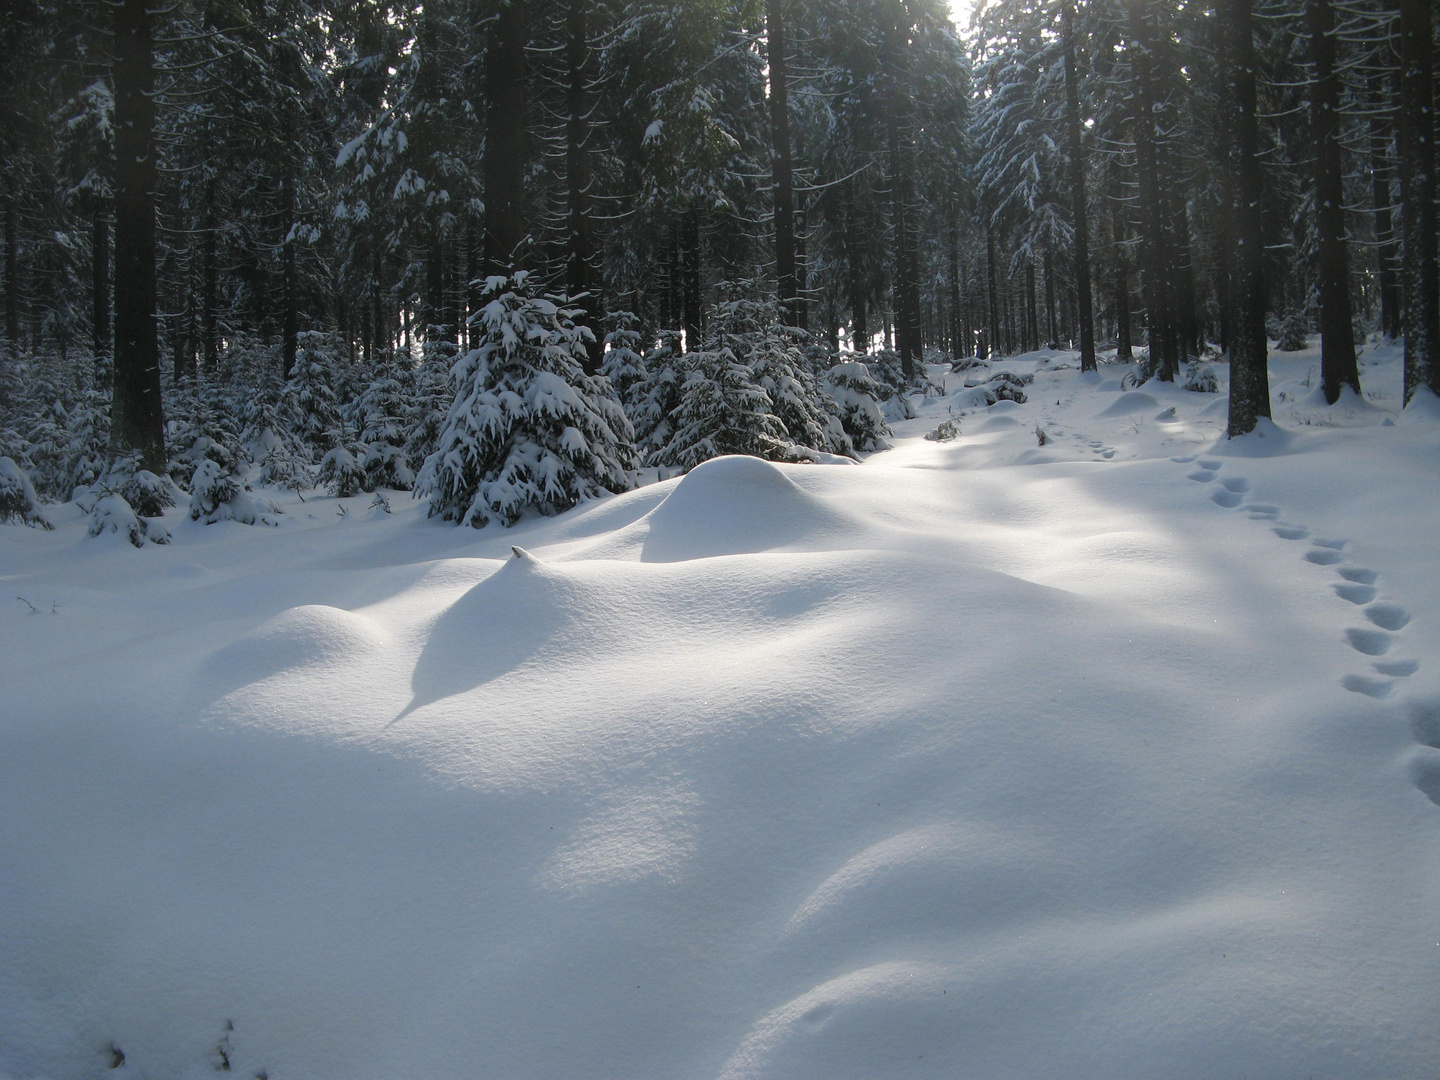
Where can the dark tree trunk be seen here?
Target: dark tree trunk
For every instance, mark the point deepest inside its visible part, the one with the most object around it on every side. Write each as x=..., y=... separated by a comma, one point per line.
x=899, y=137
x=210, y=279
x=1249, y=370
x=12, y=265
x=100, y=280
x=1381, y=171
x=505, y=139
x=1078, y=216
x=137, y=424
x=289, y=303
x=579, y=267
x=1157, y=264
x=1337, y=335
x=992, y=330
x=780, y=166
x=1417, y=180
x=957, y=320
x=1032, y=314
x=690, y=279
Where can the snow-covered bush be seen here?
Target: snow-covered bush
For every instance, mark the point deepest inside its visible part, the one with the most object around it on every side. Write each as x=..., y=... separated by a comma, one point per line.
x=945, y=431
x=1201, y=378
x=215, y=495
x=858, y=397
x=307, y=406
x=722, y=410
x=112, y=513
x=17, y=497
x=528, y=430
x=1294, y=332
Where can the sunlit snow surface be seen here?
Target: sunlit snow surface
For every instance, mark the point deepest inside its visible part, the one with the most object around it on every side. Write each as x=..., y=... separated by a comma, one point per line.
x=1108, y=758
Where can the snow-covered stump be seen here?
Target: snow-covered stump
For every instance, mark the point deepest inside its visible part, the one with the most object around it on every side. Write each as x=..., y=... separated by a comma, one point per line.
x=529, y=431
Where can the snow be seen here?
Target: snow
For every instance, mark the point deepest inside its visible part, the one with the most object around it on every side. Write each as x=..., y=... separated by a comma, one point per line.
x=1112, y=757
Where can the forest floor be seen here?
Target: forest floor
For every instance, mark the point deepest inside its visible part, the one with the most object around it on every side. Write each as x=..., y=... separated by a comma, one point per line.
x=1112, y=757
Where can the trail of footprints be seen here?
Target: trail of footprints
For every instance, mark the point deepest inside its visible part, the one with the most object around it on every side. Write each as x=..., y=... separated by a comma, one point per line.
x=1357, y=586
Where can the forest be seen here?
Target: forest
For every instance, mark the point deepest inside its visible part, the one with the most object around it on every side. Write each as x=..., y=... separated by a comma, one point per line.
x=515, y=252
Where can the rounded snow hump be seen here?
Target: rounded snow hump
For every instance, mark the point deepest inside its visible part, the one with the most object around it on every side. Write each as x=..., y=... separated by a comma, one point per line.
x=736, y=505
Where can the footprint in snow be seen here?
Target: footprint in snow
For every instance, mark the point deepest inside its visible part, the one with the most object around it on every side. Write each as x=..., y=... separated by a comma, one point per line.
x=1322, y=556
x=1291, y=532
x=1359, y=575
x=1425, y=765
x=1356, y=594
x=1370, y=642
x=1263, y=512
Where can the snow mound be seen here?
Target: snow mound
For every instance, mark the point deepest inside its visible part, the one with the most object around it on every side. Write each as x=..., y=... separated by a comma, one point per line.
x=997, y=423
x=305, y=636
x=1267, y=440
x=1132, y=401
x=738, y=505
x=1424, y=408
x=496, y=627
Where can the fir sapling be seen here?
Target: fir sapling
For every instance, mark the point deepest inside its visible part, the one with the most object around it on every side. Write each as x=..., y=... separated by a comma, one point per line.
x=17, y=497
x=528, y=431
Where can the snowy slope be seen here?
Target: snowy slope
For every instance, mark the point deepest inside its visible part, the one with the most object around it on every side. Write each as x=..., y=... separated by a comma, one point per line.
x=1103, y=758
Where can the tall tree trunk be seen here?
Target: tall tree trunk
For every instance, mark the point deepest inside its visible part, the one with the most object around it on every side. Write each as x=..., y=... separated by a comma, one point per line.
x=505, y=139
x=12, y=262
x=100, y=280
x=1157, y=272
x=1079, y=219
x=210, y=279
x=1381, y=170
x=290, y=328
x=579, y=272
x=780, y=165
x=690, y=278
x=957, y=321
x=992, y=330
x=1337, y=335
x=1249, y=360
x=137, y=423
x=1032, y=314
x=899, y=138
x=1417, y=180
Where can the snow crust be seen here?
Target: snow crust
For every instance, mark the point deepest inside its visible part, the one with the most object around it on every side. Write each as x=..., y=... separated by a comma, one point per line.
x=1111, y=757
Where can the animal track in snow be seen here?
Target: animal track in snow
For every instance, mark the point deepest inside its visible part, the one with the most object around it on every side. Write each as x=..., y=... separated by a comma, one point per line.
x=1359, y=575
x=1238, y=484
x=1356, y=594
x=1263, y=512
x=1333, y=545
x=1209, y=464
x=1401, y=668
x=1369, y=642
x=1226, y=498
x=1387, y=616
x=1202, y=476
x=1291, y=532
x=1324, y=556
x=1365, y=684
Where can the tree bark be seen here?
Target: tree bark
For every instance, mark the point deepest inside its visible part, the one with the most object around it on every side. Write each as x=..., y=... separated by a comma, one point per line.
x=1337, y=335
x=1249, y=360
x=505, y=140
x=780, y=165
x=137, y=424
x=1084, y=302
x=1387, y=256
x=579, y=268
x=1417, y=182
x=100, y=280
x=1157, y=265
x=290, y=329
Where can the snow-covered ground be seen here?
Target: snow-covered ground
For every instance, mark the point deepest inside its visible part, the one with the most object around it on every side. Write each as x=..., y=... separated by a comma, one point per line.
x=1113, y=757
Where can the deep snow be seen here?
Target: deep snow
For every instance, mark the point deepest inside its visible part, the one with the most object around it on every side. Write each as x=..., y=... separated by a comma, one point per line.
x=1113, y=757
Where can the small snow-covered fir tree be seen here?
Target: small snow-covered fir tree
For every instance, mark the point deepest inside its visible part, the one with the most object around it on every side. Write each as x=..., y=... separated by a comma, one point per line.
x=17, y=497
x=722, y=410
x=378, y=415
x=623, y=364
x=216, y=495
x=340, y=471
x=528, y=430
x=751, y=331
x=1294, y=332
x=858, y=397
x=654, y=399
